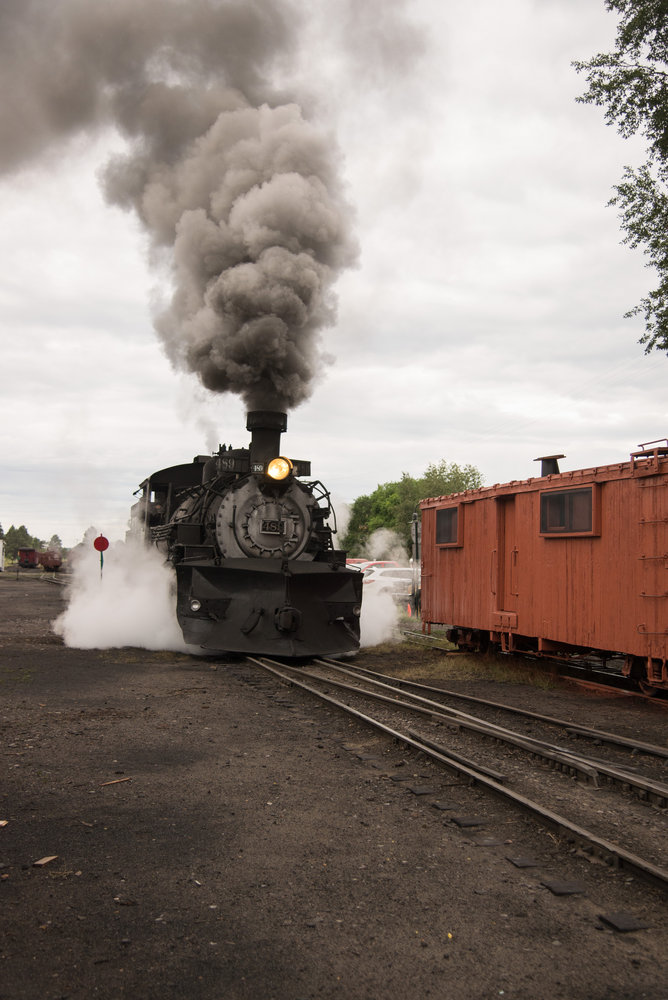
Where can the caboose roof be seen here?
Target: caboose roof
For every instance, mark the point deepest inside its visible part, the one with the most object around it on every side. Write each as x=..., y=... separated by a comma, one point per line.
x=641, y=463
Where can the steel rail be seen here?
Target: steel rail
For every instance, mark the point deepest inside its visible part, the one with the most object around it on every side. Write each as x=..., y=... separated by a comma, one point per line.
x=619, y=856
x=452, y=717
x=566, y=760
x=652, y=749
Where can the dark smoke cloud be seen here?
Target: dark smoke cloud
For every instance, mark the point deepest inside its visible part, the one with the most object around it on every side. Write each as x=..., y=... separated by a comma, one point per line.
x=223, y=171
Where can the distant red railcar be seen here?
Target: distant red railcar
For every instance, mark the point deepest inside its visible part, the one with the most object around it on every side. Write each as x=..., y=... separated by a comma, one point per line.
x=565, y=563
x=27, y=558
x=50, y=559
x=30, y=559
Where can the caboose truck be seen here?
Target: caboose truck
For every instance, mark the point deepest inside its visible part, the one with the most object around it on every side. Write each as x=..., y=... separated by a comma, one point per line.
x=256, y=570
x=570, y=563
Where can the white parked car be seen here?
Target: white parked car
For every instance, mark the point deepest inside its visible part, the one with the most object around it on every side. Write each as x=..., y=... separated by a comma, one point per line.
x=395, y=580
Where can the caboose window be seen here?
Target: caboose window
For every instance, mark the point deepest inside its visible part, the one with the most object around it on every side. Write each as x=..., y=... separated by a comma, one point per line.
x=567, y=512
x=447, y=526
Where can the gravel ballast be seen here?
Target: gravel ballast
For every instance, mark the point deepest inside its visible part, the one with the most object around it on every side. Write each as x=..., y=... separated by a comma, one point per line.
x=212, y=834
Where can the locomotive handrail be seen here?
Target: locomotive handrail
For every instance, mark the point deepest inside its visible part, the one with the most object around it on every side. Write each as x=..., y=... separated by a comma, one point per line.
x=323, y=494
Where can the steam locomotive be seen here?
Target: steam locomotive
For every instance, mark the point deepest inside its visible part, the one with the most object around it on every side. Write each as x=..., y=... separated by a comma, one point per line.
x=249, y=538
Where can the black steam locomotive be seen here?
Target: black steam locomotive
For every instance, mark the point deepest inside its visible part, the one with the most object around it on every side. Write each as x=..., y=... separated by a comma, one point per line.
x=256, y=569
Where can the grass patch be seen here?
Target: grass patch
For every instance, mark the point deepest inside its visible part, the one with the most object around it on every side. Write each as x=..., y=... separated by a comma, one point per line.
x=443, y=664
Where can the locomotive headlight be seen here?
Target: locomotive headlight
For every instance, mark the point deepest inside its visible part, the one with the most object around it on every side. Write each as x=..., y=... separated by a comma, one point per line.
x=279, y=468
x=195, y=605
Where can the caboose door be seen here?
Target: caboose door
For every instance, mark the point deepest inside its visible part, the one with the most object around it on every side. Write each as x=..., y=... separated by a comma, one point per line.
x=505, y=562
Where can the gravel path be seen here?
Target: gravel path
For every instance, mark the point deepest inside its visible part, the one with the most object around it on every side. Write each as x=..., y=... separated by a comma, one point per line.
x=215, y=835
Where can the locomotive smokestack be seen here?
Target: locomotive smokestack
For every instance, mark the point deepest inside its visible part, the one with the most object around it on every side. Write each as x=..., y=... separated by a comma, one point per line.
x=266, y=427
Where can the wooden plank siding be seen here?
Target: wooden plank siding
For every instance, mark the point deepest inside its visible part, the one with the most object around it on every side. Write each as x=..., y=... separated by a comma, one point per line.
x=605, y=588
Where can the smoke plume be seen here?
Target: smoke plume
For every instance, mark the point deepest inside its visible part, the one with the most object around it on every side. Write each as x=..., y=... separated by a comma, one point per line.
x=234, y=186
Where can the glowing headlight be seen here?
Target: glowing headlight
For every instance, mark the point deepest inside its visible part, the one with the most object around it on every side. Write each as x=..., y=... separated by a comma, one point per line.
x=195, y=605
x=279, y=468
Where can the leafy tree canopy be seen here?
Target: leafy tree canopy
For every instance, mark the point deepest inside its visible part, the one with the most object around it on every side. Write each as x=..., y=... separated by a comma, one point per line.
x=632, y=84
x=392, y=505
x=19, y=538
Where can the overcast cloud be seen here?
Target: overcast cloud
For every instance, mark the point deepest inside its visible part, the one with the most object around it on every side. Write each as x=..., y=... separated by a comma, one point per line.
x=484, y=321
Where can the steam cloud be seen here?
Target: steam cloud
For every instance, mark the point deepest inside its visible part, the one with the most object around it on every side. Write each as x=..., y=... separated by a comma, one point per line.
x=130, y=602
x=225, y=173
x=379, y=621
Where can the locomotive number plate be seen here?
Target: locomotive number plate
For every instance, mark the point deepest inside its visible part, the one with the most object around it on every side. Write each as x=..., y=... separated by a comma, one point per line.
x=271, y=527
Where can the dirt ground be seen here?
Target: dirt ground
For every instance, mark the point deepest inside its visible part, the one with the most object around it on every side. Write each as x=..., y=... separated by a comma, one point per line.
x=215, y=835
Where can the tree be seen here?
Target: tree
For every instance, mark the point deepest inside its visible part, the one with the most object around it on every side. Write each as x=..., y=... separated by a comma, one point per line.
x=632, y=84
x=19, y=538
x=392, y=505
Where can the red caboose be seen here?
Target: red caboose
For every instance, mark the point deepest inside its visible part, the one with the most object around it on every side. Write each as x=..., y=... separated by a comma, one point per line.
x=27, y=558
x=567, y=563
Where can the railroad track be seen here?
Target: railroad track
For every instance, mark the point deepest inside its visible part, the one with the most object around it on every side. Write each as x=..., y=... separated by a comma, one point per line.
x=530, y=771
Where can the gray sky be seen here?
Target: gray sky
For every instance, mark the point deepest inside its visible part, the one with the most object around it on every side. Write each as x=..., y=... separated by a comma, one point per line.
x=484, y=321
